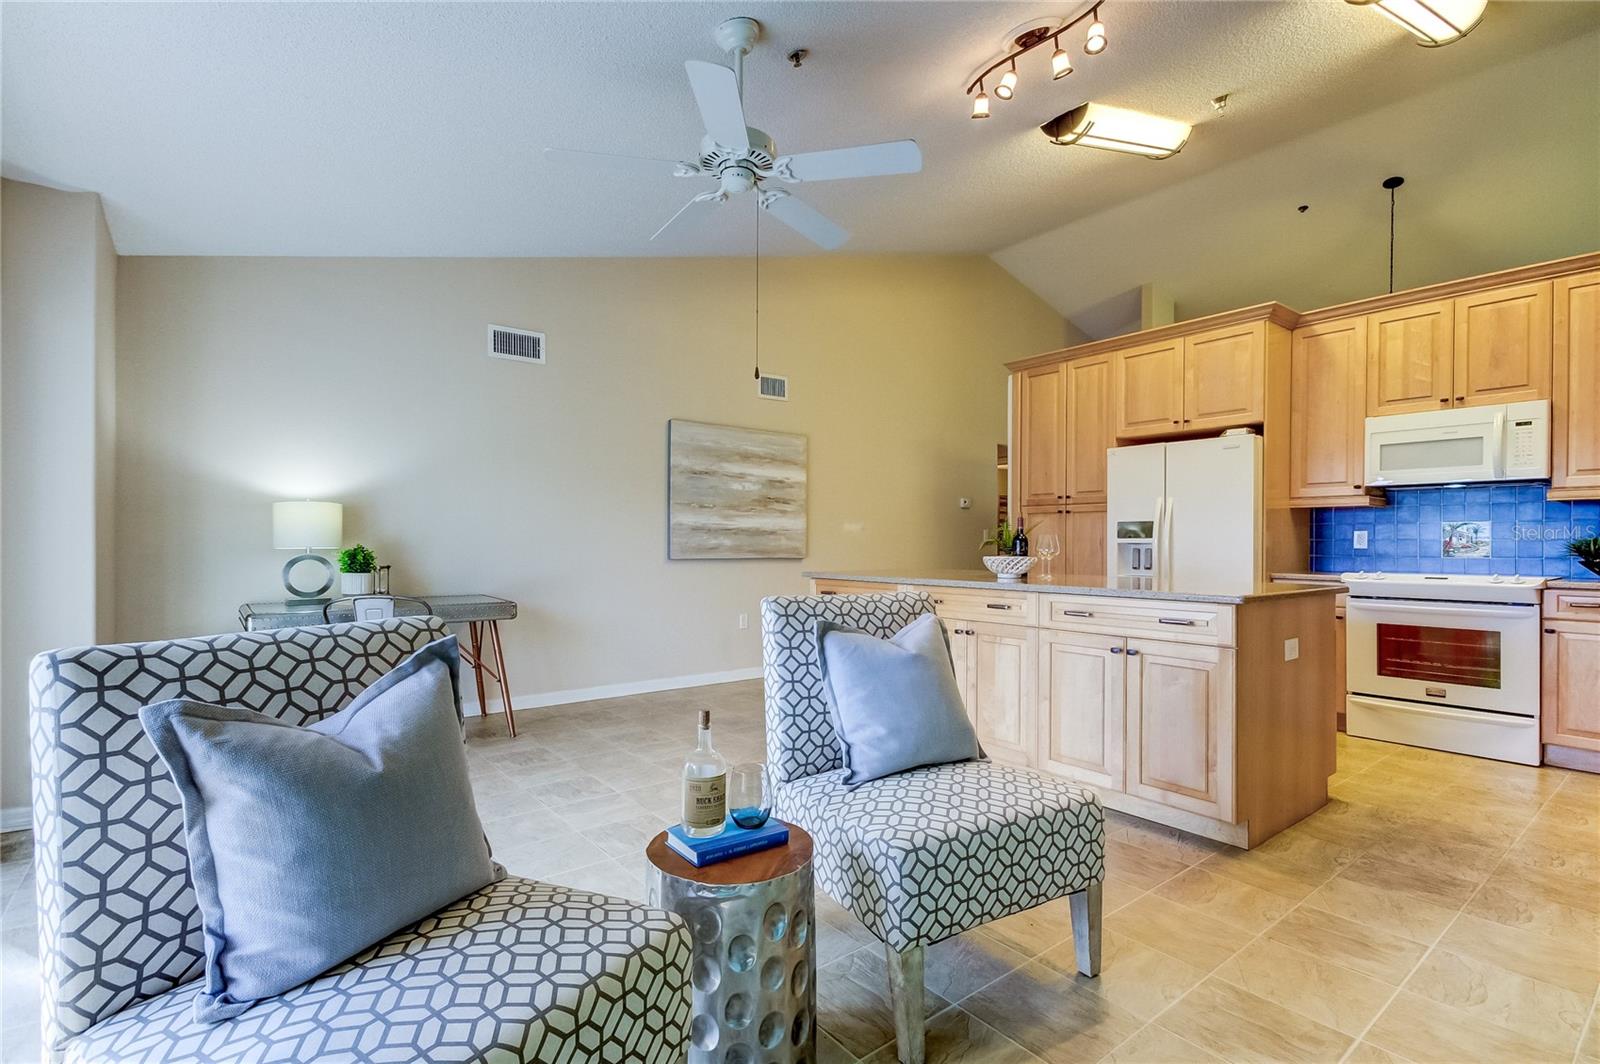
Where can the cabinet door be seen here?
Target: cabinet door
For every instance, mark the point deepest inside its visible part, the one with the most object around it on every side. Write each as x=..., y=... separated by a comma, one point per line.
x=961, y=642
x=1570, y=712
x=1041, y=420
x=1084, y=545
x=1224, y=377
x=1147, y=389
x=1503, y=345
x=1088, y=430
x=1180, y=726
x=1004, y=689
x=1041, y=522
x=1575, y=426
x=1410, y=355
x=1080, y=706
x=1327, y=412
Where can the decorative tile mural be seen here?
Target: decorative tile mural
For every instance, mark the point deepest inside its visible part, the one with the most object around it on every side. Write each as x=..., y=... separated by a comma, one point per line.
x=1518, y=531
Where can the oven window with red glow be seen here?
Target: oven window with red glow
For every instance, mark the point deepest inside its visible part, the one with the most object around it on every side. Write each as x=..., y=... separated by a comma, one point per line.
x=1463, y=656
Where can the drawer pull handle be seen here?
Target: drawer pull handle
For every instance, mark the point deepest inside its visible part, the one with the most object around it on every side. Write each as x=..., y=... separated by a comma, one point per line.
x=1077, y=613
x=1116, y=650
x=1584, y=605
x=1176, y=620
x=997, y=605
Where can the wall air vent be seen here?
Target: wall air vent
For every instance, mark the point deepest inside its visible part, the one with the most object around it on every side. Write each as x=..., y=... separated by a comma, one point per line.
x=516, y=345
x=773, y=387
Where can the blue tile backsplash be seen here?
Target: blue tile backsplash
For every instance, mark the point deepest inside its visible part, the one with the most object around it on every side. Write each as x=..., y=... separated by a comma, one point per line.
x=1528, y=533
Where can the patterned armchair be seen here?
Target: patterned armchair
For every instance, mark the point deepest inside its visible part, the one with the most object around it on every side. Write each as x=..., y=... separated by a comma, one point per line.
x=923, y=855
x=519, y=971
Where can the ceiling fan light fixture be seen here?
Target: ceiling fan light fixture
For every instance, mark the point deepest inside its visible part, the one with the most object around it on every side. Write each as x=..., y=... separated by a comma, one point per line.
x=1095, y=42
x=1060, y=63
x=980, y=105
x=1008, y=84
x=1433, y=22
x=1097, y=125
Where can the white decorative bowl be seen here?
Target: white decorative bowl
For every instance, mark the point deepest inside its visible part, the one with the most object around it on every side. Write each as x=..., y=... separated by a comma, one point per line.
x=1008, y=568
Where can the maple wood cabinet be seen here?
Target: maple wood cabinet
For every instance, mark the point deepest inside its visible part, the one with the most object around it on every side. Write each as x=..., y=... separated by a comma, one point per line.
x=1041, y=423
x=1570, y=674
x=1147, y=390
x=1409, y=355
x=1088, y=429
x=1575, y=399
x=1328, y=381
x=1180, y=726
x=1081, y=696
x=994, y=665
x=1209, y=380
x=1503, y=345
x=1080, y=531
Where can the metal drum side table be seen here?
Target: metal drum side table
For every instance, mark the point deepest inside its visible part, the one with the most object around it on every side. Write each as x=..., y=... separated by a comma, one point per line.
x=754, y=966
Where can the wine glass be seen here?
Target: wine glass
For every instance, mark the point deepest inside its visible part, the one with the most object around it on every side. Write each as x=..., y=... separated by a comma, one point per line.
x=1047, y=546
x=749, y=795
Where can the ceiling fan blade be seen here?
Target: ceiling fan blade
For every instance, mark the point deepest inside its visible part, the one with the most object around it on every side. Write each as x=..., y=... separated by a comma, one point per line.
x=716, y=91
x=869, y=160
x=632, y=164
x=703, y=198
x=806, y=220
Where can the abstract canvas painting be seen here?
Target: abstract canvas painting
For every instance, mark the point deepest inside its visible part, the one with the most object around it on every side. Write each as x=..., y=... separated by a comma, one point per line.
x=734, y=493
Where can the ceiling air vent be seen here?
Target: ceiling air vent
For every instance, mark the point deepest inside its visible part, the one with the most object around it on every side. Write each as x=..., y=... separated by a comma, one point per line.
x=773, y=387
x=516, y=345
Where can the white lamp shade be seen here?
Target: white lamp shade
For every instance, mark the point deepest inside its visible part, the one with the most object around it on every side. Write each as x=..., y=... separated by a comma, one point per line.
x=307, y=525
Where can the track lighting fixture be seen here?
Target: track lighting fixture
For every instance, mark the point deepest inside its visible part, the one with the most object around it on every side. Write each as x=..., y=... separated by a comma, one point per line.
x=1432, y=22
x=1049, y=31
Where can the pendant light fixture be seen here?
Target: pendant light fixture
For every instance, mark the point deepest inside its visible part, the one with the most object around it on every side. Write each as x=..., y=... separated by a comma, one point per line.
x=1392, y=183
x=1097, y=125
x=1433, y=22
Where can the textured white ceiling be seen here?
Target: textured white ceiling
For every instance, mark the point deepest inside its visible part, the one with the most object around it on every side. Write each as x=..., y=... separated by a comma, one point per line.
x=416, y=129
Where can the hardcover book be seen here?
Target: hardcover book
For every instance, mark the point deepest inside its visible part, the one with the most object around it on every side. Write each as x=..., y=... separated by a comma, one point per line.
x=733, y=841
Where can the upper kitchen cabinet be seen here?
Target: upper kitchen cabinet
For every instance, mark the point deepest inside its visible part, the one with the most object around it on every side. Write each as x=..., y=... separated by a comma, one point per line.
x=1147, y=389
x=1328, y=382
x=1224, y=372
x=1502, y=345
x=1410, y=356
x=1088, y=428
x=1041, y=422
x=1575, y=395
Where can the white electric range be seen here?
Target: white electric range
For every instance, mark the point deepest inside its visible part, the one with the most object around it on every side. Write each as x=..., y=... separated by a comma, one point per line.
x=1449, y=662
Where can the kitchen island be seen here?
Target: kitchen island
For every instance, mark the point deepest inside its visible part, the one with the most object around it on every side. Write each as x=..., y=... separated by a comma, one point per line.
x=1202, y=707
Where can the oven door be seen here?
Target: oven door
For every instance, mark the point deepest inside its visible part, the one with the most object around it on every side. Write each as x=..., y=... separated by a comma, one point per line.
x=1449, y=654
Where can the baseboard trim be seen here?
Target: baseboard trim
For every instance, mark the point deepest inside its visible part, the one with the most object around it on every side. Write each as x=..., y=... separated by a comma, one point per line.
x=17, y=818
x=1572, y=758
x=544, y=699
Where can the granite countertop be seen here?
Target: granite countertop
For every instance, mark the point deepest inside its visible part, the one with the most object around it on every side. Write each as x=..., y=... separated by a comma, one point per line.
x=1074, y=584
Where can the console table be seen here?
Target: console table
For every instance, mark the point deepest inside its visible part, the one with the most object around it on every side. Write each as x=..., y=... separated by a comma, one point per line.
x=481, y=614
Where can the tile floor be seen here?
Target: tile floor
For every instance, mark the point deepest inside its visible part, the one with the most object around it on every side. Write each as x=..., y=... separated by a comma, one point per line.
x=1439, y=909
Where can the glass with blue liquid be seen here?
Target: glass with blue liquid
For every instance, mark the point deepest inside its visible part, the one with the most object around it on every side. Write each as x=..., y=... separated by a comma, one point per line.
x=749, y=796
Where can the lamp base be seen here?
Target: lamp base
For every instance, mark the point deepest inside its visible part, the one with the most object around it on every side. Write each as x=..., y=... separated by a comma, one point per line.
x=308, y=596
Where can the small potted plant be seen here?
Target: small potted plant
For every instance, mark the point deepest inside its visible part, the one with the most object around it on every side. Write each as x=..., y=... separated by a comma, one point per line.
x=356, y=568
x=1587, y=551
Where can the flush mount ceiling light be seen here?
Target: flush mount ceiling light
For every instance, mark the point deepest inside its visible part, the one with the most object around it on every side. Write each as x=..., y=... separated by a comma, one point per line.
x=1433, y=22
x=1097, y=125
x=1024, y=40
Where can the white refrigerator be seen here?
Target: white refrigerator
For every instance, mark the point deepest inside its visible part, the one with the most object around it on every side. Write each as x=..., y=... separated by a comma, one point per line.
x=1186, y=516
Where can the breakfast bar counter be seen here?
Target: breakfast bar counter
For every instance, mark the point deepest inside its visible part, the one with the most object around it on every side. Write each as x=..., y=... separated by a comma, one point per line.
x=1074, y=584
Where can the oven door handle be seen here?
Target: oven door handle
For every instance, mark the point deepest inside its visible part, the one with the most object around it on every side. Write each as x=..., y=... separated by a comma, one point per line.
x=1464, y=611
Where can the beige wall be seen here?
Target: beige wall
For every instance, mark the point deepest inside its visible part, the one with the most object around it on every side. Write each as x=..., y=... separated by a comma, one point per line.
x=56, y=469
x=244, y=381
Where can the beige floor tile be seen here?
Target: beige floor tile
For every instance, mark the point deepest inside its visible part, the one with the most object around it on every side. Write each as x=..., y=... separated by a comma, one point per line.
x=1571, y=809
x=829, y=1051
x=1229, y=900
x=839, y=932
x=1115, y=892
x=1035, y=930
x=853, y=1001
x=1191, y=937
x=1048, y=1014
x=1142, y=867
x=957, y=1036
x=1427, y=1032
x=1133, y=976
x=958, y=966
x=1431, y=844
x=1351, y=824
x=1367, y=1053
x=1240, y=1026
x=1355, y=945
x=1469, y=807
x=1589, y=1048
x=1292, y=864
x=1157, y=1045
x=1393, y=910
x=1438, y=883
x=1541, y=1012
x=1565, y=853
x=1570, y=962
x=1159, y=839
x=1317, y=989
x=1538, y=901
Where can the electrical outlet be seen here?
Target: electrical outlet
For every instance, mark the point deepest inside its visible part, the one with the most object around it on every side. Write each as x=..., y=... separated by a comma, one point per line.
x=966, y=503
x=1291, y=650
x=744, y=621
x=1360, y=539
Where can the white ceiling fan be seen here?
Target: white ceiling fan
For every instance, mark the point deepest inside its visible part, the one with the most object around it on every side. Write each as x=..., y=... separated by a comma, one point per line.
x=743, y=159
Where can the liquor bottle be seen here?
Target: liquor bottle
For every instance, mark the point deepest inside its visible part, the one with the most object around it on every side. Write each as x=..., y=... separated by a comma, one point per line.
x=1019, y=546
x=705, y=786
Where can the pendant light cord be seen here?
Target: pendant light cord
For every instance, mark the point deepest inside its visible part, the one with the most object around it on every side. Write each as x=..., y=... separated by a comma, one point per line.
x=757, y=198
x=1391, y=241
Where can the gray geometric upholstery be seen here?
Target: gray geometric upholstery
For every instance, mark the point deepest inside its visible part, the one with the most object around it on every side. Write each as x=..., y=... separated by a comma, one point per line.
x=520, y=971
x=929, y=853
x=520, y=964
x=925, y=854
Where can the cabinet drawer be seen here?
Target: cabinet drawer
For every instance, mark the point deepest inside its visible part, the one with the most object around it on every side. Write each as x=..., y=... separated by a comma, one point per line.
x=970, y=604
x=1572, y=605
x=853, y=587
x=1181, y=622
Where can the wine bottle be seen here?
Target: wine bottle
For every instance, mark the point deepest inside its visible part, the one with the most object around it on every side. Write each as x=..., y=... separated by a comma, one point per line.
x=705, y=786
x=1019, y=546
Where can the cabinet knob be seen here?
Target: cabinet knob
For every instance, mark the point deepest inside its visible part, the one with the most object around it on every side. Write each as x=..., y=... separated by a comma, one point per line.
x=1175, y=421
x=1549, y=631
x=1461, y=398
x=1116, y=650
x=1444, y=399
x=1356, y=486
x=1132, y=653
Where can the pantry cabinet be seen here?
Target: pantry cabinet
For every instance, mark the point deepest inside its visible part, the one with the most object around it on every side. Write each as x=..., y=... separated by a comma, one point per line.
x=1408, y=358
x=1503, y=345
x=1328, y=382
x=994, y=666
x=1180, y=726
x=1041, y=422
x=1088, y=428
x=1081, y=693
x=1575, y=398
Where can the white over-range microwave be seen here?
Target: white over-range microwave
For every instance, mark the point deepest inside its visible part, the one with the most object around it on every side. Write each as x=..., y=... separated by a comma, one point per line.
x=1474, y=443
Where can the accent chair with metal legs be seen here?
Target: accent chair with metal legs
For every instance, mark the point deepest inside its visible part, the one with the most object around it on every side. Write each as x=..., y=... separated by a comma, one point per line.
x=922, y=855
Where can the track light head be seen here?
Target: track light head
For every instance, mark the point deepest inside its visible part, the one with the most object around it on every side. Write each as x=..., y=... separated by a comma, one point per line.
x=980, y=105
x=1060, y=63
x=1095, y=43
x=1008, y=84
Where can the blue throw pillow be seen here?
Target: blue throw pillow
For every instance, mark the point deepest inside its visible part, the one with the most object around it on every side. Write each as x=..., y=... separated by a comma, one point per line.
x=896, y=704
x=309, y=844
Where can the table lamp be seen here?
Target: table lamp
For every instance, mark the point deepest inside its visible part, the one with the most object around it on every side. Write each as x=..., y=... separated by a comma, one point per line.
x=307, y=527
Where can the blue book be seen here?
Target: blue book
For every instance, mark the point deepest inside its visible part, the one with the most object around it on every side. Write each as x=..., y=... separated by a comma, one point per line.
x=732, y=841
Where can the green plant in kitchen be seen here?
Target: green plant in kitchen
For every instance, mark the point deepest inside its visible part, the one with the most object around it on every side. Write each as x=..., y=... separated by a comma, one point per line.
x=1587, y=551
x=1004, y=537
x=357, y=559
